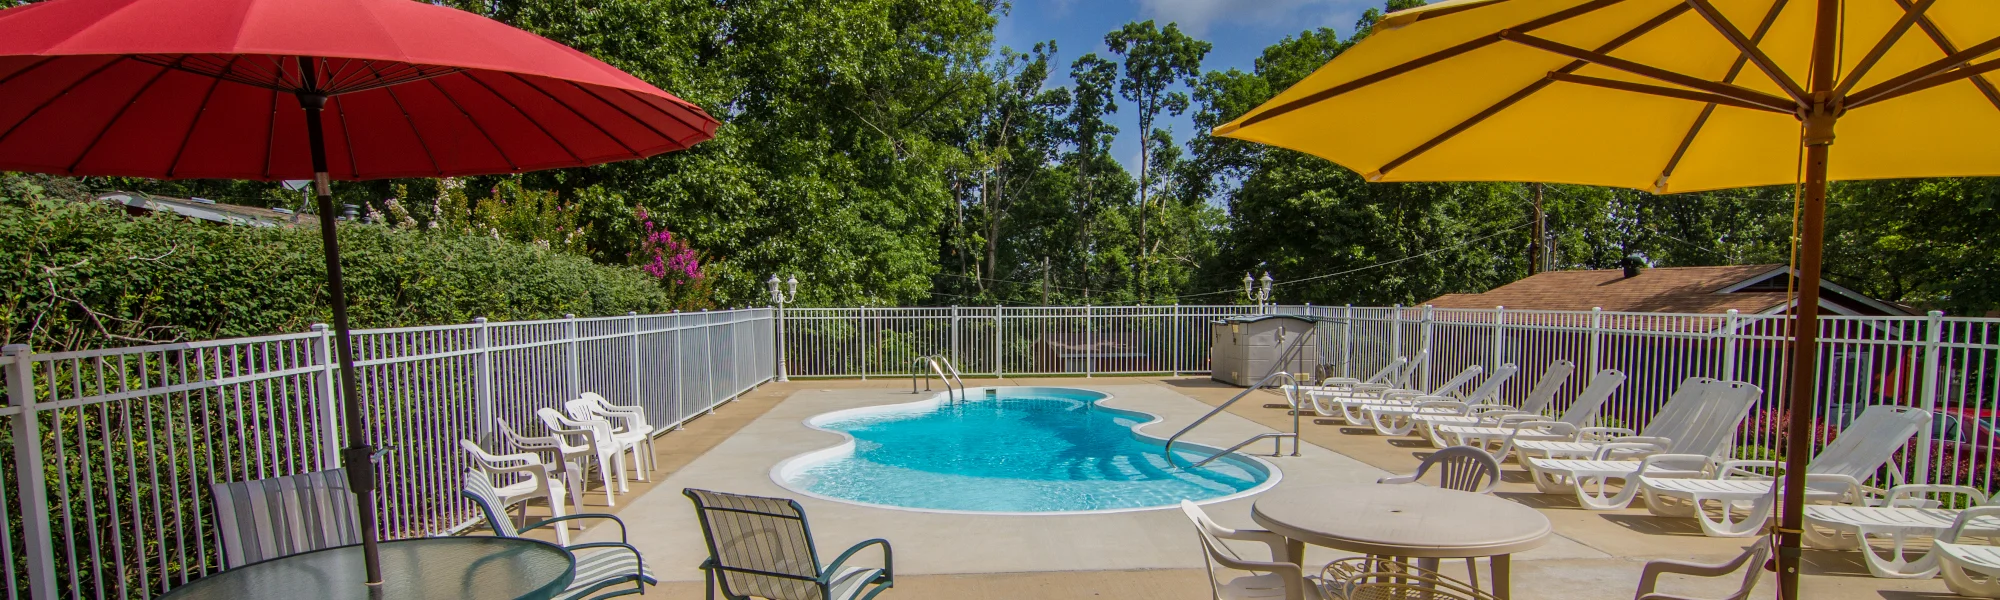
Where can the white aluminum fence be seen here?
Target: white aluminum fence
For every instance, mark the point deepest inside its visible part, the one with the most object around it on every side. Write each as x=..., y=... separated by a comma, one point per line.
x=1078, y=340
x=106, y=487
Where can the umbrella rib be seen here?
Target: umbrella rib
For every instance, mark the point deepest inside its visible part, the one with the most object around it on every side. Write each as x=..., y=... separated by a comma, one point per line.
x=1701, y=120
x=1664, y=91
x=1722, y=89
x=35, y=65
x=346, y=137
x=572, y=110
x=113, y=122
x=1423, y=61
x=511, y=165
x=1943, y=43
x=271, y=136
x=412, y=123
x=1968, y=71
x=1749, y=48
x=1911, y=14
x=59, y=95
x=621, y=110
x=1626, y=38
x=697, y=129
x=530, y=118
x=201, y=110
x=1896, y=84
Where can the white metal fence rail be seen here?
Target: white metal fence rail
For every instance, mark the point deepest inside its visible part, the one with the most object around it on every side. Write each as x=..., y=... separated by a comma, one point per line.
x=106, y=486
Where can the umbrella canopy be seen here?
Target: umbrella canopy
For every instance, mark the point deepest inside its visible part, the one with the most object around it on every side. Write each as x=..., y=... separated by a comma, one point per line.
x=204, y=89
x=1509, y=90
x=326, y=89
x=1665, y=96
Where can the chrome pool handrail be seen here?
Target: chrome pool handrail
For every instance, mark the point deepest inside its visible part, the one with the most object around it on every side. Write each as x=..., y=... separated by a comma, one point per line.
x=1277, y=437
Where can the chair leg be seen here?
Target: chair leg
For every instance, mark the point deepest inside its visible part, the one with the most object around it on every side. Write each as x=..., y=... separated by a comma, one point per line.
x=1964, y=581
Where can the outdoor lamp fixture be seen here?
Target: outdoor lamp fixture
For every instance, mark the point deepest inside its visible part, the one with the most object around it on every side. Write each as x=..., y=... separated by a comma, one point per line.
x=1264, y=295
x=780, y=298
x=1249, y=287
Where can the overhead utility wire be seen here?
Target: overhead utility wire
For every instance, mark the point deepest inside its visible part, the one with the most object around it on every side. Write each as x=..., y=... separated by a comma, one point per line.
x=1373, y=266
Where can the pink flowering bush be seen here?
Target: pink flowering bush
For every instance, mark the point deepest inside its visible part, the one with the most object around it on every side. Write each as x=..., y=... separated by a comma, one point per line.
x=666, y=258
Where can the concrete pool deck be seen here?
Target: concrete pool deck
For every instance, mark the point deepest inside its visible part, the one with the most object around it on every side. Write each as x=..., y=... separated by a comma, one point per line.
x=1145, y=554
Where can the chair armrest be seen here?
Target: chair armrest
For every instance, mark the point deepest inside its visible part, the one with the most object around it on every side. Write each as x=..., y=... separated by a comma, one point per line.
x=1272, y=540
x=833, y=568
x=1687, y=462
x=1902, y=496
x=1965, y=517
x=1742, y=468
x=1398, y=479
x=1609, y=433
x=1440, y=403
x=1548, y=427
x=1604, y=451
x=554, y=520
x=1855, y=492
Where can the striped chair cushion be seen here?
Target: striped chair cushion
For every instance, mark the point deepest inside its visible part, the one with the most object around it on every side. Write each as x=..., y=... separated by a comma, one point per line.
x=264, y=519
x=613, y=565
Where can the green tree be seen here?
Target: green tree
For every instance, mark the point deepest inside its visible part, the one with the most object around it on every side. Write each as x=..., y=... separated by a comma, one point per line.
x=1156, y=59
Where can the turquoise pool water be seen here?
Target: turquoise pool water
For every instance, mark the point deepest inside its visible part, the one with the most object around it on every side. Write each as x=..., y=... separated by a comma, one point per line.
x=1018, y=450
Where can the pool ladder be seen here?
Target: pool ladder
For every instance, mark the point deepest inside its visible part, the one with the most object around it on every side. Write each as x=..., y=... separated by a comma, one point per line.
x=1277, y=437
x=940, y=366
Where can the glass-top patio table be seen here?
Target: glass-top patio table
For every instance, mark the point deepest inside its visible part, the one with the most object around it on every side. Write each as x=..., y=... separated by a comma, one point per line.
x=1403, y=521
x=428, y=568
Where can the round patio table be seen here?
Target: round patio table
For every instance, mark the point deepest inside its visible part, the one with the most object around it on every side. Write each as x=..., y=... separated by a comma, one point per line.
x=431, y=568
x=1406, y=521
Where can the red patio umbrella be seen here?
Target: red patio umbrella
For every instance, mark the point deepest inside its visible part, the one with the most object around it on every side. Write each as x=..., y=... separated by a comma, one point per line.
x=320, y=89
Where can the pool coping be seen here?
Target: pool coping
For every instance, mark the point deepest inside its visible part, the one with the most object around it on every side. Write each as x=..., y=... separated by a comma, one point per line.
x=1273, y=474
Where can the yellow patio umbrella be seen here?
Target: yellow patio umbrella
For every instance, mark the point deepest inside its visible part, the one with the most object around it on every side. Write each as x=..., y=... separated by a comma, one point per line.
x=1664, y=96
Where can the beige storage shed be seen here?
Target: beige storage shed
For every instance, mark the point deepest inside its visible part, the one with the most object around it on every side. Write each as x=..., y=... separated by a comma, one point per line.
x=1246, y=348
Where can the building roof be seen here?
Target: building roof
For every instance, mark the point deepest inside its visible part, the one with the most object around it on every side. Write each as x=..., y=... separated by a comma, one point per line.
x=1749, y=289
x=201, y=208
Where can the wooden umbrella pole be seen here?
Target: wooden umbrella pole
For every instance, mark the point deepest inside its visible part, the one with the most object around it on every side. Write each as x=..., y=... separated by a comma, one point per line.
x=1820, y=121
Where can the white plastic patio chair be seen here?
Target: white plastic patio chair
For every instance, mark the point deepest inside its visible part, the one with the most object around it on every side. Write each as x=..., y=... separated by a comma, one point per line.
x=549, y=448
x=1969, y=570
x=599, y=565
x=1462, y=468
x=1751, y=562
x=1690, y=434
x=584, y=440
x=1516, y=428
x=628, y=421
x=540, y=482
x=1908, y=512
x=1489, y=415
x=1276, y=578
x=1400, y=419
x=1351, y=409
x=627, y=441
x=263, y=519
x=1837, y=474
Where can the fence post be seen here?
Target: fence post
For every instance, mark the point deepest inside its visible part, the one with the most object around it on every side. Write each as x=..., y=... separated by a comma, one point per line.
x=484, y=408
x=1089, y=351
x=632, y=321
x=1499, y=337
x=1346, y=340
x=999, y=361
x=329, y=405
x=575, y=365
x=954, y=335
x=864, y=342
x=1424, y=333
x=1396, y=332
x=1174, y=364
x=36, y=533
x=1596, y=338
x=680, y=377
x=1933, y=359
x=1729, y=333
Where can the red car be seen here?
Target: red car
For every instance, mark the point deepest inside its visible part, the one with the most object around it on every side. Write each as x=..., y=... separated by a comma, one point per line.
x=1966, y=436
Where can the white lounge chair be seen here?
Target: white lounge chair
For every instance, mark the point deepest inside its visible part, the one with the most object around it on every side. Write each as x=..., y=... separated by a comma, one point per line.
x=1517, y=428
x=584, y=440
x=1350, y=408
x=1278, y=579
x=1907, y=513
x=629, y=433
x=1400, y=419
x=1690, y=425
x=1382, y=379
x=539, y=483
x=1538, y=400
x=1837, y=474
x=1398, y=384
x=1969, y=570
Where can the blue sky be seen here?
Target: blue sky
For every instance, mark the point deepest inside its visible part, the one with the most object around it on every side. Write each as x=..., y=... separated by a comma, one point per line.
x=1239, y=30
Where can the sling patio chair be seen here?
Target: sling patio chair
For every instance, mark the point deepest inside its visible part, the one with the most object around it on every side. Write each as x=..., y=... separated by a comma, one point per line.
x=760, y=547
x=263, y=519
x=1969, y=570
x=1690, y=434
x=628, y=425
x=1352, y=409
x=539, y=481
x=1493, y=414
x=1516, y=428
x=1400, y=418
x=1838, y=474
x=600, y=566
x=1909, y=511
x=1275, y=579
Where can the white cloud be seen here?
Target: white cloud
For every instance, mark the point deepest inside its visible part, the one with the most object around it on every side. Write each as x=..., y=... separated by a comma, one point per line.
x=1195, y=16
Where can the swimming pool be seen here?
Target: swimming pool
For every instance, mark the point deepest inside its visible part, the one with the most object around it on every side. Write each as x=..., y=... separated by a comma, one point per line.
x=1039, y=450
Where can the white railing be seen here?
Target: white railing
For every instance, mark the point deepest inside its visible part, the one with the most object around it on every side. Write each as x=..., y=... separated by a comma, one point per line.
x=1949, y=365
x=113, y=450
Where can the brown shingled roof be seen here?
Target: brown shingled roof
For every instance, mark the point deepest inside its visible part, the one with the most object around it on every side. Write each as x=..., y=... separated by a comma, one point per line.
x=1658, y=290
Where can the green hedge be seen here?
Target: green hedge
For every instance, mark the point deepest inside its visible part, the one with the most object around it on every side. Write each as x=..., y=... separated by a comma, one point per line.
x=82, y=275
